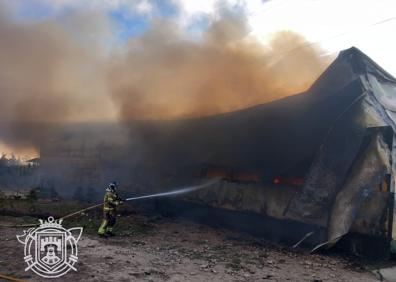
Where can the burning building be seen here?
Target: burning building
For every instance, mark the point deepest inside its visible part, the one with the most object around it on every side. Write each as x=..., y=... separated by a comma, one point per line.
x=70, y=165
x=317, y=163
x=78, y=157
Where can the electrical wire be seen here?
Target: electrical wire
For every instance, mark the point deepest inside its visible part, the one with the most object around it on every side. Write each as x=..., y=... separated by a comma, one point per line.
x=308, y=44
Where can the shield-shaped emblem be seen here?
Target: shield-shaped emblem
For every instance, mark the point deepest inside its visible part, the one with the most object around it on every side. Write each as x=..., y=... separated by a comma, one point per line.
x=50, y=249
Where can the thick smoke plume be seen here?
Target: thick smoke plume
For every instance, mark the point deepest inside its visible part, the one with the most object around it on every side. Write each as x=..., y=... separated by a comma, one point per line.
x=70, y=69
x=50, y=75
x=163, y=75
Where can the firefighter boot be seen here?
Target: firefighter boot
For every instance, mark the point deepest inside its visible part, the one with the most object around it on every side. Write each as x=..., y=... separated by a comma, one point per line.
x=102, y=228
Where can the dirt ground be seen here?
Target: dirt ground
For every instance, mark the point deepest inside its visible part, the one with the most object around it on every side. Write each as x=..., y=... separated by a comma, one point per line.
x=163, y=249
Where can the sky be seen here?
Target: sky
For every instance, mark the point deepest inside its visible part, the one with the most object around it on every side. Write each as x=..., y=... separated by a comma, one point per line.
x=331, y=24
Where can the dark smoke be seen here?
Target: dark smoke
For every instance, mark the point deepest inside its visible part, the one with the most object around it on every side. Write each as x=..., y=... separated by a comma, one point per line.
x=65, y=70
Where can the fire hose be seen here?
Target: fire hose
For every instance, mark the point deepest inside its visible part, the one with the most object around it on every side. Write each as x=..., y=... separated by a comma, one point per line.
x=183, y=190
x=9, y=278
x=179, y=191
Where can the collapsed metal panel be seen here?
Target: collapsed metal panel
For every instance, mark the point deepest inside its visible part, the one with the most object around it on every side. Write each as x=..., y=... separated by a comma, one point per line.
x=330, y=168
x=362, y=205
x=367, y=172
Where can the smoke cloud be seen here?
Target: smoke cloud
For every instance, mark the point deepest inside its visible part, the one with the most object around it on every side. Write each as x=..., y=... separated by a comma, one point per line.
x=163, y=75
x=69, y=69
x=50, y=74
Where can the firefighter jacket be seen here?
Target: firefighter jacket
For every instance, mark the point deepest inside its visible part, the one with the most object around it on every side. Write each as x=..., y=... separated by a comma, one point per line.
x=111, y=201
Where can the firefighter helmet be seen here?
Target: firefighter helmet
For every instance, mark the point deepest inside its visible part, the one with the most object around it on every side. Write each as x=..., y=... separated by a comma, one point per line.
x=112, y=186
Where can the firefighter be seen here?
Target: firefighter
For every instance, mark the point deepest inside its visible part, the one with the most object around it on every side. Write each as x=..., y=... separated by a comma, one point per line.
x=110, y=203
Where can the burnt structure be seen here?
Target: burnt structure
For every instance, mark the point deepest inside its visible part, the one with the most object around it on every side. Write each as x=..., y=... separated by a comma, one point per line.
x=320, y=161
x=71, y=163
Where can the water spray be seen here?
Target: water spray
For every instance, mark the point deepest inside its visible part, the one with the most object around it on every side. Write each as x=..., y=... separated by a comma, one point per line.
x=179, y=191
x=183, y=190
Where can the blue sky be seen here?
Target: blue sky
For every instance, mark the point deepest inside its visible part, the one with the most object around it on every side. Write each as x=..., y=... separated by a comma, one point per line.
x=129, y=18
x=127, y=21
x=129, y=24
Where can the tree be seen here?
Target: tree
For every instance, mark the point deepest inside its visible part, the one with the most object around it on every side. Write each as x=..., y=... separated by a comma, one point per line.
x=33, y=195
x=3, y=160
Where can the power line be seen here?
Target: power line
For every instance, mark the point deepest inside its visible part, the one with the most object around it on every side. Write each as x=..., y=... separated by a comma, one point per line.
x=275, y=6
x=333, y=37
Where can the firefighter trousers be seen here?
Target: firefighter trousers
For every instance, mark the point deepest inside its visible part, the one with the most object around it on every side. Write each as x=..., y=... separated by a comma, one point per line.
x=109, y=220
